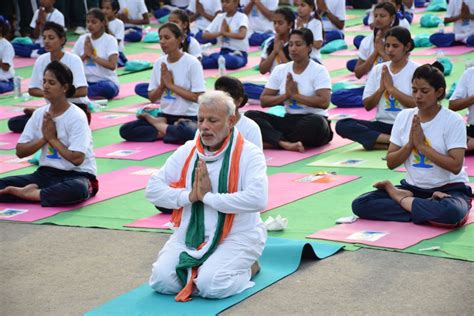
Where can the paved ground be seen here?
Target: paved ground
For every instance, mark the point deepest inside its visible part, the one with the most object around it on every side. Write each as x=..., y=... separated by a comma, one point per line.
x=51, y=270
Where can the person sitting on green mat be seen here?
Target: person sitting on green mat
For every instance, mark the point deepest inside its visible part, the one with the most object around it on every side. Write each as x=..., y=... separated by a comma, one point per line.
x=217, y=185
x=430, y=141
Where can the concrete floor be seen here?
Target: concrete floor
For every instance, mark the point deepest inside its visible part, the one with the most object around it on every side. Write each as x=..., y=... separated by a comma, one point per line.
x=52, y=270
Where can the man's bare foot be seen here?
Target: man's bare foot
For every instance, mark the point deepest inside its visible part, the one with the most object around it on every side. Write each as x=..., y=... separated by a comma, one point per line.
x=395, y=193
x=255, y=268
x=296, y=146
x=30, y=192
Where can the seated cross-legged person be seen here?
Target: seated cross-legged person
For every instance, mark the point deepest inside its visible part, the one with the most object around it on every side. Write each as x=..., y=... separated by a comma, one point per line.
x=134, y=15
x=54, y=41
x=217, y=185
x=333, y=15
x=67, y=168
x=177, y=80
x=231, y=27
x=260, y=13
x=463, y=98
x=304, y=87
x=202, y=13
x=99, y=53
x=430, y=141
x=388, y=89
x=461, y=12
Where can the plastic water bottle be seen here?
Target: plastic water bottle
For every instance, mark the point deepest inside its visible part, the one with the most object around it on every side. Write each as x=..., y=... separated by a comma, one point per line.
x=221, y=65
x=467, y=63
x=440, y=27
x=17, y=86
x=439, y=55
x=205, y=49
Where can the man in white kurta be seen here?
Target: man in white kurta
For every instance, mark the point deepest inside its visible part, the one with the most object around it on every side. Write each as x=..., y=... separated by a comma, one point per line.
x=227, y=271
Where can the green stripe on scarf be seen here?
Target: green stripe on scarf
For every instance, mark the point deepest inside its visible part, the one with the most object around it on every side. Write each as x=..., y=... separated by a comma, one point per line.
x=196, y=229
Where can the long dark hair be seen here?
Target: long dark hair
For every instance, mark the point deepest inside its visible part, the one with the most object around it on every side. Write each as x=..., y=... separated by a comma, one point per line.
x=233, y=87
x=184, y=18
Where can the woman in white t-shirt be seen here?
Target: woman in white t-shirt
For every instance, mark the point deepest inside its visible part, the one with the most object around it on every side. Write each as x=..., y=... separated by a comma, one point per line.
x=309, y=18
x=190, y=45
x=170, y=6
x=388, y=89
x=231, y=28
x=116, y=27
x=201, y=13
x=177, y=80
x=260, y=13
x=54, y=41
x=134, y=14
x=430, y=141
x=333, y=16
x=304, y=87
x=461, y=12
x=401, y=15
x=275, y=49
x=7, y=53
x=462, y=98
x=67, y=168
x=99, y=53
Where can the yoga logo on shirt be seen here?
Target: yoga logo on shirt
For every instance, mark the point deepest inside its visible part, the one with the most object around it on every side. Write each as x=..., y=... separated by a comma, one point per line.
x=169, y=95
x=420, y=160
x=90, y=61
x=52, y=153
x=391, y=104
x=254, y=11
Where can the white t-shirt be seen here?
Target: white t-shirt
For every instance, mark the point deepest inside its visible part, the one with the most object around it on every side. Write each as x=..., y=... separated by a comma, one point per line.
x=465, y=89
x=210, y=7
x=443, y=133
x=313, y=78
x=338, y=8
x=133, y=9
x=104, y=46
x=367, y=47
x=401, y=22
x=250, y=130
x=188, y=74
x=54, y=16
x=194, y=48
x=316, y=27
x=73, y=132
x=265, y=54
x=72, y=61
x=388, y=107
x=463, y=26
x=258, y=22
x=7, y=53
x=235, y=22
x=117, y=29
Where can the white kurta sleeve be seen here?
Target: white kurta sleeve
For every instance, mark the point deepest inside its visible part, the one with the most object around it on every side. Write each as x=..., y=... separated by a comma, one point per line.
x=159, y=192
x=253, y=193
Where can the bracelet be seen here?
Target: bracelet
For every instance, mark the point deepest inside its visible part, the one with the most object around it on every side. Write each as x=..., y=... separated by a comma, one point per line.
x=400, y=202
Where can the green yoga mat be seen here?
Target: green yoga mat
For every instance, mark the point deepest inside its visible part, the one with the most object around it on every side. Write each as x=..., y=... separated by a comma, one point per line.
x=281, y=257
x=355, y=156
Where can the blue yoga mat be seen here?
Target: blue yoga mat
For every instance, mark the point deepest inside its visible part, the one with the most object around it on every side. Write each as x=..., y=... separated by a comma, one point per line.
x=280, y=258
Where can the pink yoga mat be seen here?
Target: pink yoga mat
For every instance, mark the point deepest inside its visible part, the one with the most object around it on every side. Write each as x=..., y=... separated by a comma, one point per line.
x=469, y=165
x=153, y=46
x=113, y=184
x=454, y=50
x=132, y=108
x=252, y=107
x=357, y=113
x=382, y=234
x=283, y=188
x=103, y=120
x=334, y=63
x=358, y=28
x=126, y=90
x=151, y=57
x=35, y=103
x=12, y=162
x=346, y=52
x=351, y=78
x=156, y=221
x=134, y=150
x=279, y=157
x=20, y=62
x=257, y=78
x=7, y=112
x=9, y=140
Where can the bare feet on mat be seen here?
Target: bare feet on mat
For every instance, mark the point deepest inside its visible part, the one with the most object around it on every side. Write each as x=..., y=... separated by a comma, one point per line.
x=255, y=268
x=30, y=192
x=296, y=146
x=395, y=193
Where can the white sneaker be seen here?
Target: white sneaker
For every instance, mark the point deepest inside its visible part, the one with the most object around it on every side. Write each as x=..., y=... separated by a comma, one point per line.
x=80, y=30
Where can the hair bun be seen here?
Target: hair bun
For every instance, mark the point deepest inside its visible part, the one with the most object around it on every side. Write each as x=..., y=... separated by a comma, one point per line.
x=438, y=66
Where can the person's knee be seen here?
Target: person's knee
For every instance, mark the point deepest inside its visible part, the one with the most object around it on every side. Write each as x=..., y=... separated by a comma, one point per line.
x=219, y=283
x=360, y=205
x=164, y=280
x=341, y=127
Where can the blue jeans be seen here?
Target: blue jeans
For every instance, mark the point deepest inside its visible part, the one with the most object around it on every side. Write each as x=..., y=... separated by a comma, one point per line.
x=232, y=60
x=363, y=132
